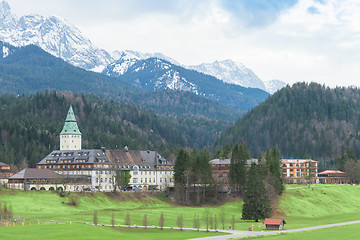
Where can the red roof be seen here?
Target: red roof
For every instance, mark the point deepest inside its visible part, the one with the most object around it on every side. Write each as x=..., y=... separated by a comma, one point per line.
x=273, y=221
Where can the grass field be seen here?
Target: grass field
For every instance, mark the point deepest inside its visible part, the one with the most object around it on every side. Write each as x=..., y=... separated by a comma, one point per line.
x=319, y=205
x=301, y=207
x=334, y=233
x=82, y=231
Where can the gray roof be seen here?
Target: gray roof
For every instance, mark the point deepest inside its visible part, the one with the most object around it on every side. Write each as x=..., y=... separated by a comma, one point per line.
x=226, y=161
x=3, y=164
x=35, y=173
x=84, y=156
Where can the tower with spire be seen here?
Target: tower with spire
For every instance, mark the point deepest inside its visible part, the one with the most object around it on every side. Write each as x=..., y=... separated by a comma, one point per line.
x=70, y=136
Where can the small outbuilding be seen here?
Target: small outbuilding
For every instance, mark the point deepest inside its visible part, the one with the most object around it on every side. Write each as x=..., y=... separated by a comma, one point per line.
x=274, y=223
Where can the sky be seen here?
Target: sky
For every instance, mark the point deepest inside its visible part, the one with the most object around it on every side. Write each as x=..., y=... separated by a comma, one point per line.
x=289, y=40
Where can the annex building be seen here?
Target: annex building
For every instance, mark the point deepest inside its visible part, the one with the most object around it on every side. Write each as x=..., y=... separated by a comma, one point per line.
x=298, y=170
x=148, y=169
x=5, y=173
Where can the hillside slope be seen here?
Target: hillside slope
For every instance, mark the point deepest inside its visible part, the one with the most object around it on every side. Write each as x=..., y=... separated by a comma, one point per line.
x=302, y=120
x=29, y=70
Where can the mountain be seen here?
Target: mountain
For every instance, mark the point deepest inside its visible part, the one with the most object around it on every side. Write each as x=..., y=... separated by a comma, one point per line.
x=274, y=85
x=62, y=39
x=153, y=74
x=29, y=69
x=230, y=72
x=302, y=120
x=53, y=34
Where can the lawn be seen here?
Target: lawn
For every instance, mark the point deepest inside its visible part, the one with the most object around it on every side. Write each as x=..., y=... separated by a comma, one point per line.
x=301, y=207
x=334, y=233
x=46, y=206
x=319, y=205
x=82, y=231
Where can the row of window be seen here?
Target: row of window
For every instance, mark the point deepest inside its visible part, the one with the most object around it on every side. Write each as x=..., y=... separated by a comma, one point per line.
x=105, y=180
x=145, y=180
x=104, y=172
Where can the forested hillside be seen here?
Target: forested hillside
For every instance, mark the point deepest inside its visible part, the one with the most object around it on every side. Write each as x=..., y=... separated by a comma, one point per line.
x=186, y=104
x=302, y=120
x=30, y=126
x=29, y=70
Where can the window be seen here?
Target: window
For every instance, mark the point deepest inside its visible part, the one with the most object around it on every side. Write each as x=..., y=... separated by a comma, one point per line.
x=135, y=180
x=101, y=180
x=97, y=180
x=146, y=180
x=135, y=170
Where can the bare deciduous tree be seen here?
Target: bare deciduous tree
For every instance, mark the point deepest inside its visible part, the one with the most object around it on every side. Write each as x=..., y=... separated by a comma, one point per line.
x=180, y=222
x=145, y=222
x=95, y=218
x=161, y=221
x=128, y=220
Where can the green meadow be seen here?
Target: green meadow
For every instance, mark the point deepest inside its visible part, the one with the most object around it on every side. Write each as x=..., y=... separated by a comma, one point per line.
x=301, y=207
x=82, y=231
x=319, y=205
x=334, y=233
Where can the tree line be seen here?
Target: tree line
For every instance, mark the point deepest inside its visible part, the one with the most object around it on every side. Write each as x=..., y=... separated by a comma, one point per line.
x=256, y=181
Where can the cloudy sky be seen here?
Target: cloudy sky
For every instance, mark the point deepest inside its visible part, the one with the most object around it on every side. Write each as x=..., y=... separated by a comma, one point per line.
x=289, y=40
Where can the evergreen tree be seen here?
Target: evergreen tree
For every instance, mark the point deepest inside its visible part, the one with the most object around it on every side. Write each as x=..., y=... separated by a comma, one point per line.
x=273, y=161
x=256, y=202
x=182, y=174
x=237, y=173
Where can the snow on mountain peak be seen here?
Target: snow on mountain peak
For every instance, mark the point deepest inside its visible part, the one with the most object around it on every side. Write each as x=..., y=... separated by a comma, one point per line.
x=273, y=85
x=231, y=72
x=6, y=17
x=5, y=9
x=53, y=34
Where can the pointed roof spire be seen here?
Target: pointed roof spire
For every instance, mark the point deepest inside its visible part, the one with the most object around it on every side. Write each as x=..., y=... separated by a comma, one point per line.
x=70, y=115
x=70, y=126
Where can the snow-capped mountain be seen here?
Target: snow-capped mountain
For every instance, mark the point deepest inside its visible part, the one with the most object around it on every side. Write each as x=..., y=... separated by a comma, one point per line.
x=61, y=39
x=53, y=34
x=154, y=74
x=230, y=72
x=273, y=85
x=127, y=58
